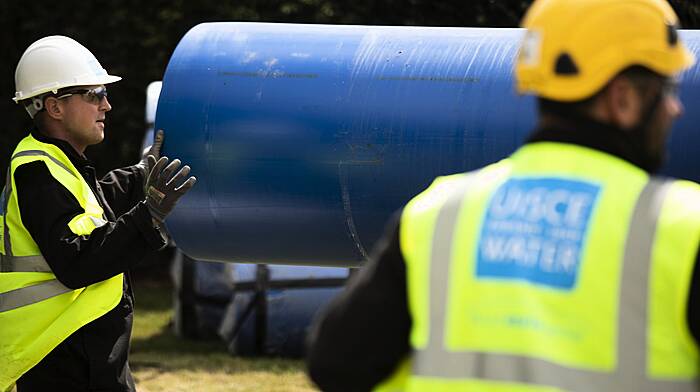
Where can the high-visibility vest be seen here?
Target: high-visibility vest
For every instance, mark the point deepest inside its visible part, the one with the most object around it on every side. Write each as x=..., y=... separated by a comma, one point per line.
x=37, y=312
x=561, y=268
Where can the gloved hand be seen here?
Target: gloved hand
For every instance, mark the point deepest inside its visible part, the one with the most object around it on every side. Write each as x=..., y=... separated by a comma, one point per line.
x=163, y=189
x=152, y=150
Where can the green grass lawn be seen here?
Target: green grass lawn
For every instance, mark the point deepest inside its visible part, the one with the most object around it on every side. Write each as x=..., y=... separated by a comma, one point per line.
x=162, y=362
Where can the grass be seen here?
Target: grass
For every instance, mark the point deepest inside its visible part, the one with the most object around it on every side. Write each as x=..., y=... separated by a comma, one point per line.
x=160, y=361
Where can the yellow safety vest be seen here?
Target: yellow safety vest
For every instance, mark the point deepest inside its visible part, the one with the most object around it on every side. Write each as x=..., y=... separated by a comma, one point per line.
x=560, y=268
x=37, y=312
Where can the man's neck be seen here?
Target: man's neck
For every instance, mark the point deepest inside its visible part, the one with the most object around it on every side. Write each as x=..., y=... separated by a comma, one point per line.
x=60, y=134
x=593, y=134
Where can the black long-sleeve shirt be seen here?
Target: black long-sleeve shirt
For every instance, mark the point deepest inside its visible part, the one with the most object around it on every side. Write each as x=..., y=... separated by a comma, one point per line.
x=359, y=339
x=95, y=356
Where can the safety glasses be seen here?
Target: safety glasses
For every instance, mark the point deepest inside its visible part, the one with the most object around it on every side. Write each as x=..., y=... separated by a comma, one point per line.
x=93, y=96
x=670, y=87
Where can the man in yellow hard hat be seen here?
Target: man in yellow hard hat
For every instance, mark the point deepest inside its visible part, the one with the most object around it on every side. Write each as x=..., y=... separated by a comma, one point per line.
x=568, y=265
x=67, y=238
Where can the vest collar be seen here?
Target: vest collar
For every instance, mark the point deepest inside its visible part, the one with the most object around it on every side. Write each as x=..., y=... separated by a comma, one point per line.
x=76, y=158
x=597, y=136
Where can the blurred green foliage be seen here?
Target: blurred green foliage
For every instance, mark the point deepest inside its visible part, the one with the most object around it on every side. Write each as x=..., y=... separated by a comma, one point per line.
x=134, y=39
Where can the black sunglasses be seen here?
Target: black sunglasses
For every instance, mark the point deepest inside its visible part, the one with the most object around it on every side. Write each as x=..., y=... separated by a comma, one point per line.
x=93, y=96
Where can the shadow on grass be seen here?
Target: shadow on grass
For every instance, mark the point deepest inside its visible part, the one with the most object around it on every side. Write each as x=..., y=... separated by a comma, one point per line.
x=162, y=351
x=165, y=352
x=153, y=295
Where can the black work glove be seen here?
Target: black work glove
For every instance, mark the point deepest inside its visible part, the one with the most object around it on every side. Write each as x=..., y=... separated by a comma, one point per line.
x=152, y=150
x=163, y=188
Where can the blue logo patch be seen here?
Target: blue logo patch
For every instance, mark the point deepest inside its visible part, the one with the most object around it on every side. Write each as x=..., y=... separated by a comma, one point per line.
x=535, y=229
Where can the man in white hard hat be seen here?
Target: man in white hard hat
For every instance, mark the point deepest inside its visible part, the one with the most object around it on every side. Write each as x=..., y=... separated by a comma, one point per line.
x=68, y=239
x=567, y=266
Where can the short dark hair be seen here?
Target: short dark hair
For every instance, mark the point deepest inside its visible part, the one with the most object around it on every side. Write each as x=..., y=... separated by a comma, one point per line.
x=641, y=77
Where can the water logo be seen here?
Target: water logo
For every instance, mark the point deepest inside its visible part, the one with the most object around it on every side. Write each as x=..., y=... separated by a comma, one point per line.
x=535, y=230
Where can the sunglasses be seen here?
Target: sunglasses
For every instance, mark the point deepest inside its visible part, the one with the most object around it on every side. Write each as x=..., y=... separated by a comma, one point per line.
x=93, y=96
x=670, y=87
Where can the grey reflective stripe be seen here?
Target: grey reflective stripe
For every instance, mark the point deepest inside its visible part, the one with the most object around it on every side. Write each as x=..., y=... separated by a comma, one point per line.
x=429, y=362
x=634, y=287
x=6, y=199
x=435, y=361
x=23, y=264
x=8, y=190
x=41, y=291
x=45, y=154
x=31, y=294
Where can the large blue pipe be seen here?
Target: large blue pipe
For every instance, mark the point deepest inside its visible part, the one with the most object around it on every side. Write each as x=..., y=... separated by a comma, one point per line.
x=305, y=138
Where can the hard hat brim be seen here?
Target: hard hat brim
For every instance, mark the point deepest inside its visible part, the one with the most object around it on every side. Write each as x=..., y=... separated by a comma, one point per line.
x=96, y=80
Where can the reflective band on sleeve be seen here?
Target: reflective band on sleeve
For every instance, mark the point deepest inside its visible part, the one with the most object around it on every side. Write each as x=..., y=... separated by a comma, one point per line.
x=630, y=375
x=31, y=294
x=23, y=264
x=45, y=154
x=84, y=224
x=98, y=222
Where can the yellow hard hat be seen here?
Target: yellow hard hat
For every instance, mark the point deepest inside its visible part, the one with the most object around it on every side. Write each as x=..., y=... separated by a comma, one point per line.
x=573, y=48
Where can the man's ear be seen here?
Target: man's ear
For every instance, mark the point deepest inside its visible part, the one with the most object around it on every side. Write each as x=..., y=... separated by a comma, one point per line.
x=53, y=107
x=622, y=103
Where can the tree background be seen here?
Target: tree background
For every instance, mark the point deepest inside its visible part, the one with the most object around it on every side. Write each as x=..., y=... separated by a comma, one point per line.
x=134, y=39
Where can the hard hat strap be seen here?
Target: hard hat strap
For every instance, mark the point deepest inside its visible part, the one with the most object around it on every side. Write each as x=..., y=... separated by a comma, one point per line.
x=38, y=103
x=35, y=105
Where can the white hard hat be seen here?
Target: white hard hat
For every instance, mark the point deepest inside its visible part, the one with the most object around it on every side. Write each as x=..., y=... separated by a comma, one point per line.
x=53, y=63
